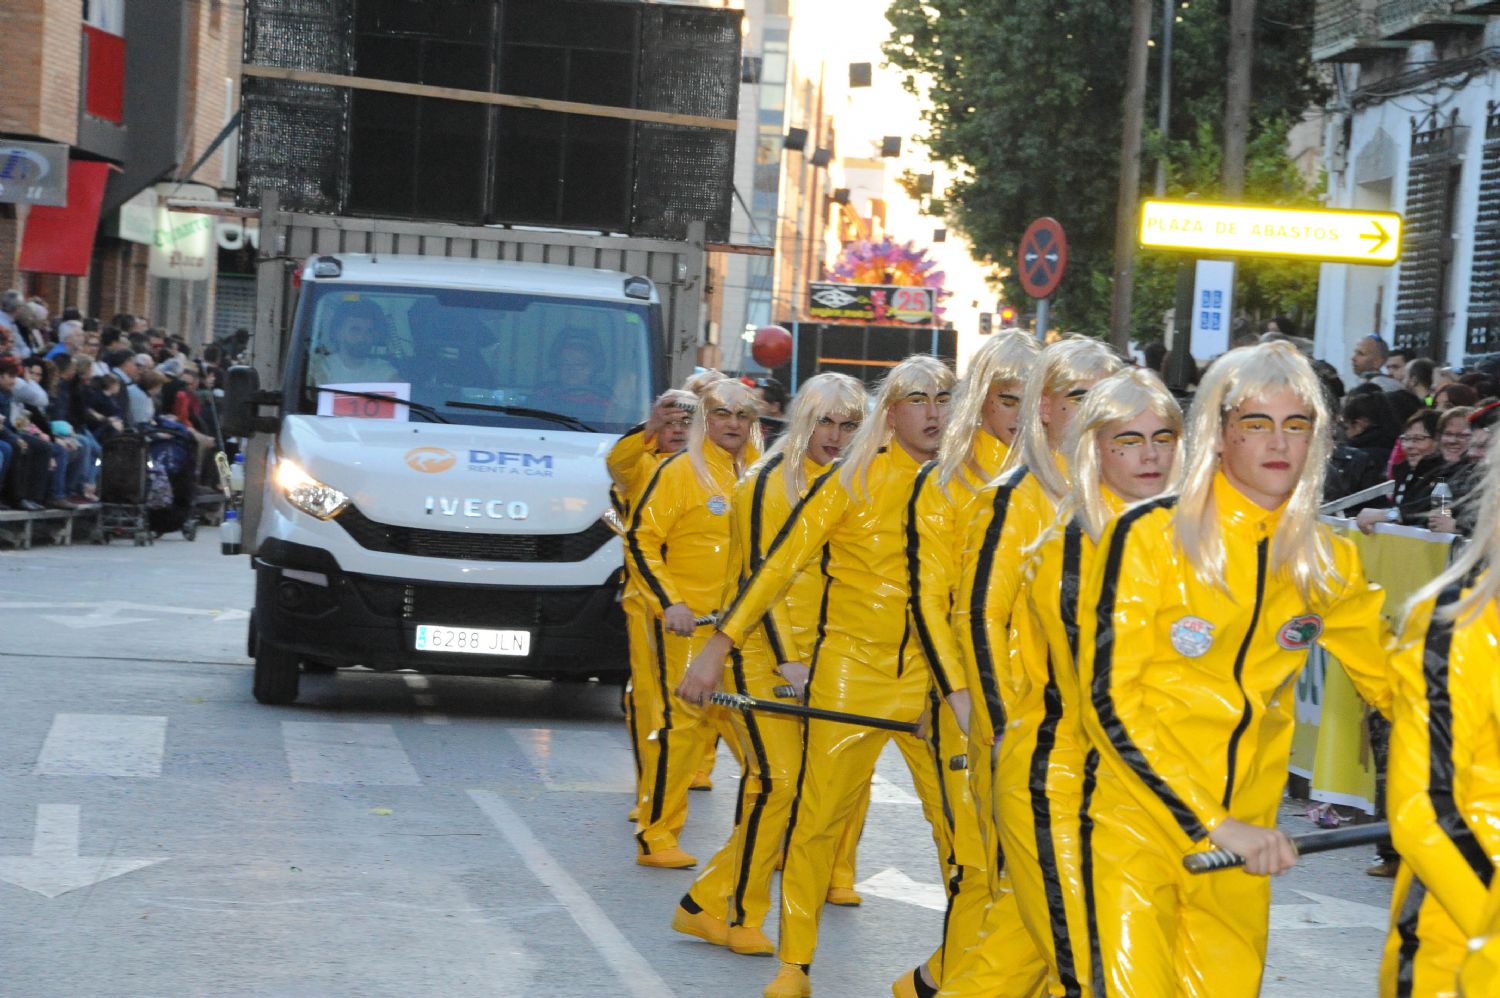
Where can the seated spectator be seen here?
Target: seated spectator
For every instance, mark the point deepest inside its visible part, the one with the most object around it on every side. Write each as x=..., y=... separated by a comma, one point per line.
x=138, y=408
x=103, y=407
x=70, y=339
x=1453, y=395
x=152, y=383
x=36, y=468
x=1465, y=480
x=1415, y=476
x=69, y=423
x=1369, y=425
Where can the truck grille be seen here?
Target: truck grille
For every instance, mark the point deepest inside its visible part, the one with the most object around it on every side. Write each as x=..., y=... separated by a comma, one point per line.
x=368, y=533
x=471, y=606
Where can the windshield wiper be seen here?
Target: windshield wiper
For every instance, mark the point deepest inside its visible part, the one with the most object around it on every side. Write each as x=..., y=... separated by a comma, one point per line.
x=421, y=407
x=573, y=423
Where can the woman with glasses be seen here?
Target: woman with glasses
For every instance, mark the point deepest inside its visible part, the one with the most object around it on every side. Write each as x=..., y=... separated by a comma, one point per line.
x=1467, y=471
x=1194, y=623
x=1415, y=476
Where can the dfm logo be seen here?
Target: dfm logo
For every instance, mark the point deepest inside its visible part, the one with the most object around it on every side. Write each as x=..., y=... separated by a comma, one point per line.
x=430, y=460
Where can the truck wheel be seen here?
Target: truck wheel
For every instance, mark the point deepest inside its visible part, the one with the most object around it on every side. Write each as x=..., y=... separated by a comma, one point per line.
x=277, y=677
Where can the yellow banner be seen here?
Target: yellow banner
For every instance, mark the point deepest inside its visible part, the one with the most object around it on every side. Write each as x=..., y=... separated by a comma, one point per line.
x=1329, y=744
x=1334, y=235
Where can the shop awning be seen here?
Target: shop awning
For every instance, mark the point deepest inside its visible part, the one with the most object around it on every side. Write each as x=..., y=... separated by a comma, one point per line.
x=61, y=240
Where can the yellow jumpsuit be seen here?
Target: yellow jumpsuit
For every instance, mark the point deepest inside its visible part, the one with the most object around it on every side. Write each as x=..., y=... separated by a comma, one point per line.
x=936, y=527
x=735, y=885
x=863, y=662
x=1040, y=781
x=1480, y=976
x=1190, y=706
x=1443, y=781
x=678, y=542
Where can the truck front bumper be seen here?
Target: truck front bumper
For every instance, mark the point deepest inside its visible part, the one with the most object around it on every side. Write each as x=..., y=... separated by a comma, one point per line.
x=307, y=605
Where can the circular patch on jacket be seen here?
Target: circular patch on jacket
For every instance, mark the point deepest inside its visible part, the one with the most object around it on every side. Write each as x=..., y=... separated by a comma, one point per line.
x=1299, y=633
x=718, y=505
x=1192, y=636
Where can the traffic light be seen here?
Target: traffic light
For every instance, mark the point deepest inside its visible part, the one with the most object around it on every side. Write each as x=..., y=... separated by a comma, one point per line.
x=1008, y=316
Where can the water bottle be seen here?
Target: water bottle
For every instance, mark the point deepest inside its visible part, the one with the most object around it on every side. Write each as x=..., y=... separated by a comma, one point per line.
x=1442, y=498
x=229, y=532
x=237, y=475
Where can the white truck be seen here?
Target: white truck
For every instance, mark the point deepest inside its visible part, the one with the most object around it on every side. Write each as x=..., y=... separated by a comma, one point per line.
x=426, y=417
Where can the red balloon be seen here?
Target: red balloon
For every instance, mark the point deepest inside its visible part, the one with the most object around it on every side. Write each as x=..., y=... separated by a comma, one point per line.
x=772, y=346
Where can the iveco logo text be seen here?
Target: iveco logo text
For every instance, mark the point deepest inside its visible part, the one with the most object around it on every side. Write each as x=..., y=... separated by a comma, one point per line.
x=495, y=509
x=505, y=462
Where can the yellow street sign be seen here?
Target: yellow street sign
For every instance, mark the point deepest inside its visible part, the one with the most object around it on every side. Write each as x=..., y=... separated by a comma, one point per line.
x=1332, y=235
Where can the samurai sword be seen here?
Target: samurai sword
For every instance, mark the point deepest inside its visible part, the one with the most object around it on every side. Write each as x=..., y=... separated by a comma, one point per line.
x=742, y=702
x=1339, y=838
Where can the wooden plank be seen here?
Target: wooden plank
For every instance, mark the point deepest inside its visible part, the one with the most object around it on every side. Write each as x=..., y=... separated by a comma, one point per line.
x=744, y=249
x=480, y=97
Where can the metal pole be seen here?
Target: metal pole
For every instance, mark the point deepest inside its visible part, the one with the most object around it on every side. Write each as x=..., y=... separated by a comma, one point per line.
x=934, y=350
x=1127, y=209
x=1182, y=326
x=1043, y=314
x=796, y=329
x=1164, y=114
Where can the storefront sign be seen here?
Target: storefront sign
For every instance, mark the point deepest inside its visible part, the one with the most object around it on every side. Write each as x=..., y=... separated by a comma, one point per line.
x=872, y=304
x=182, y=247
x=33, y=173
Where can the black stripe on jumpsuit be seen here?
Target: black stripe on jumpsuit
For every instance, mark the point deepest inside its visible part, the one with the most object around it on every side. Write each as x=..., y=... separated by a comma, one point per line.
x=1041, y=804
x=1103, y=699
x=1450, y=819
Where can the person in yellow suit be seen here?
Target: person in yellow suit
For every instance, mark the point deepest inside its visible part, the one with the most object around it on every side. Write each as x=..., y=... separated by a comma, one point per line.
x=1122, y=448
x=1193, y=626
x=977, y=437
x=727, y=905
x=1443, y=782
x=863, y=659
x=1480, y=974
x=1008, y=516
x=679, y=542
x=631, y=462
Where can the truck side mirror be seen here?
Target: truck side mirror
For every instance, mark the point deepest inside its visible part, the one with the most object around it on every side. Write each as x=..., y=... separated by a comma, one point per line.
x=242, y=400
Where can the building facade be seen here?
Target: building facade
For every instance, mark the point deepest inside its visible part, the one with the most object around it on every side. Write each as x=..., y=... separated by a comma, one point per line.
x=131, y=96
x=1415, y=129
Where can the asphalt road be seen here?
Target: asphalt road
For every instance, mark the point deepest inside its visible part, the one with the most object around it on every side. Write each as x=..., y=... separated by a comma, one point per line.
x=395, y=834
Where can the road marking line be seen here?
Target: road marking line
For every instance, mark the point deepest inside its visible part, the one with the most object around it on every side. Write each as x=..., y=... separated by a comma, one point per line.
x=577, y=761
x=319, y=752
x=894, y=885
x=103, y=745
x=54, y=867
x=634, y=971
x=430, y=718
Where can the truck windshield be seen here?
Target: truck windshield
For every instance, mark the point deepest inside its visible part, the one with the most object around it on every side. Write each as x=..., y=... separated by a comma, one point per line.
x=471, y=355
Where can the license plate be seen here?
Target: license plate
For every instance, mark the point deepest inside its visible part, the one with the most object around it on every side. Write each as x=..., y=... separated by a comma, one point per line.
x=473, y=640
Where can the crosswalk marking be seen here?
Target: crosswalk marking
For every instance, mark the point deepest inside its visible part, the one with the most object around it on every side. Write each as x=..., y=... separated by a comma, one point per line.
x=369, y=754
x=577, y=761
x=103, y=745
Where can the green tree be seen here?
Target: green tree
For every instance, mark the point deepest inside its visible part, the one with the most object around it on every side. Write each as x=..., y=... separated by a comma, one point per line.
x=1025, y=104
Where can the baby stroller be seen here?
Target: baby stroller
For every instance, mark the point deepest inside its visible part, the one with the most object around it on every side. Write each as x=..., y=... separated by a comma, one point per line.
x=148, y=484
x=173, y=484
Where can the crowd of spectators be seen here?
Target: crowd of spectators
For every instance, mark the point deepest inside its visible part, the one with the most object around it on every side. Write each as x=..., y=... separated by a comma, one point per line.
x=69, y=384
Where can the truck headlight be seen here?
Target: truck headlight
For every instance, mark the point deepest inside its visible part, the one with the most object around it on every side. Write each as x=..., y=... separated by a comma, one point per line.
x=307, y=493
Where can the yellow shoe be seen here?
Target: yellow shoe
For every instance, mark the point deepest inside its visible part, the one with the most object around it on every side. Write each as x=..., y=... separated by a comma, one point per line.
x=671, y=858
x=905, y=986
x=791, y=982
x=701, y=925
x=749, y=940
x=701, y=782
x=844, y=897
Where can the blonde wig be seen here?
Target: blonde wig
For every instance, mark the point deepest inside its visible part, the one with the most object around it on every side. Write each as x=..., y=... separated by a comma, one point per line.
x=1060, y=366
x=1006, y=356
x=1119, y=398
x=917, y=373
x=837, y=396
x=1479, y=564
x=725, y=393
x=1300, y=549
x=698, y=381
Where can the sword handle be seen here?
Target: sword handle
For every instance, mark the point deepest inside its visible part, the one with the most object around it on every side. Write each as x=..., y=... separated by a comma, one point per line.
x=1214, y=859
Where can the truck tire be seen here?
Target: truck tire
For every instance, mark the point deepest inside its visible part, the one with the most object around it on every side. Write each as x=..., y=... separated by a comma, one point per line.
x=277, y=677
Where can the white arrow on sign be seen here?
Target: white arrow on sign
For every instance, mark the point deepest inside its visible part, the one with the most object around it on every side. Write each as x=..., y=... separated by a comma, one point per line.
x=54, y=867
